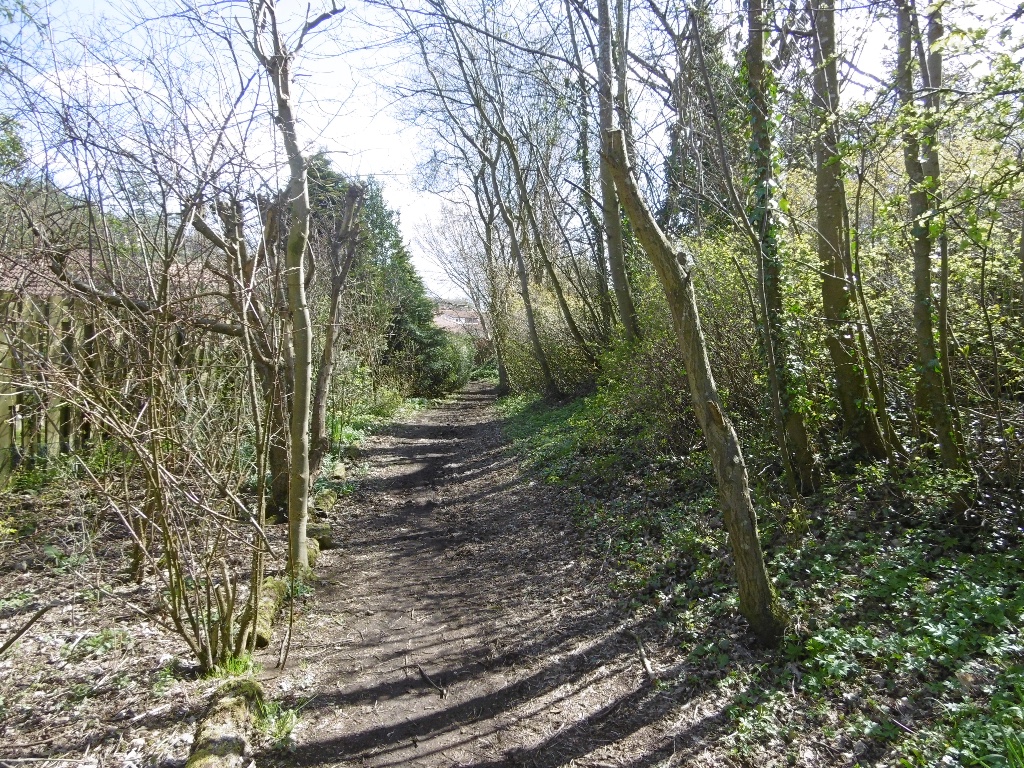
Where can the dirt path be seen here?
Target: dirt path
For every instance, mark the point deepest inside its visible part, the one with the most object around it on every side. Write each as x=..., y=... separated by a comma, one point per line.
x=459, y=623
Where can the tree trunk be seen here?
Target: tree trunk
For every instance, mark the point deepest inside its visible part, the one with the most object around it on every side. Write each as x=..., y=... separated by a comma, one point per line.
x=834, y=246
x=277, y=459
x=587, y=175
x=279, y=469
x=758, y=601
x=931, y=65
x=298, y=310
x=319, y=440
x=791, y=432
x=930, y=374
x=343, y=252
x=609, y=201
x=497, y=322
x=620, y=44
x=550, y=387
x=1020, y=264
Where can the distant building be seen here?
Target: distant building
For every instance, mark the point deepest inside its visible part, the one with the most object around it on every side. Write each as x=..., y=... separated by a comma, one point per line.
x=458, y=319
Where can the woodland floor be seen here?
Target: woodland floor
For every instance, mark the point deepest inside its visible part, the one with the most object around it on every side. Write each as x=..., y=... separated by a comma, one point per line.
x=463, y=620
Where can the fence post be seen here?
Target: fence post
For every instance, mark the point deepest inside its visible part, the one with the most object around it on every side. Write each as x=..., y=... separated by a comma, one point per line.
x=53, y=356
x=8, y=396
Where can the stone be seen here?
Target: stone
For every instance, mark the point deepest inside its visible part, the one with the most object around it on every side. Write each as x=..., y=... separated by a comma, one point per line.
x=222, y=739
x=321, y=532
x=325, y=500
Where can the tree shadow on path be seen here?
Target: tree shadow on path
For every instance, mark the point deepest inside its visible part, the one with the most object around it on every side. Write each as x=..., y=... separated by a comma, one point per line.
x=463, y=622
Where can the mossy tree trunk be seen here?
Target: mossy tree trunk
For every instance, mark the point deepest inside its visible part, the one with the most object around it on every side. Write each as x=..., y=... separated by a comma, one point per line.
x=791, y=431
x=931, y=366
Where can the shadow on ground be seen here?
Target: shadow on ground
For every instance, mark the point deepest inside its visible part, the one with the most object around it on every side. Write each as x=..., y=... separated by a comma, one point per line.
x=463, y=623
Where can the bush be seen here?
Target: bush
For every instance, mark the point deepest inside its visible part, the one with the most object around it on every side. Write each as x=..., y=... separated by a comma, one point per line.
x=443, y=363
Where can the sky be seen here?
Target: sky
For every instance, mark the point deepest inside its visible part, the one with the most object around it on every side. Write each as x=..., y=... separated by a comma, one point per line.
x=346, y=108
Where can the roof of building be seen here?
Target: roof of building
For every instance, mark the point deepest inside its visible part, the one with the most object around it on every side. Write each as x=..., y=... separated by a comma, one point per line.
x=459, y=321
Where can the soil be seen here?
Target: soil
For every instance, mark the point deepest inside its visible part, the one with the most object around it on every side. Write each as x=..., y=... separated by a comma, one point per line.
x=95, y=681
x=462, y=620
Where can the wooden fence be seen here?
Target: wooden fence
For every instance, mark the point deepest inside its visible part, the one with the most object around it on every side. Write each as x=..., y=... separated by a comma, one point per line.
x=39, y=337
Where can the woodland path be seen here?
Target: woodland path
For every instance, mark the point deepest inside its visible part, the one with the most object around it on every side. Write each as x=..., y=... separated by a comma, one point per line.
x=456, y=573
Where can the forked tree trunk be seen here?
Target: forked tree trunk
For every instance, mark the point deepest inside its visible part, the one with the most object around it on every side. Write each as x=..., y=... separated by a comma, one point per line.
x=837, y=286
x=930, y=365
x=758, y=601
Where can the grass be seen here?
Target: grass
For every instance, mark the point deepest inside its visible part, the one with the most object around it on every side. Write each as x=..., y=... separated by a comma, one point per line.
x=277, y=723
x=165, y=679
x=16, y=600
x=107, y=640
x=906, y=646
x=236, y=666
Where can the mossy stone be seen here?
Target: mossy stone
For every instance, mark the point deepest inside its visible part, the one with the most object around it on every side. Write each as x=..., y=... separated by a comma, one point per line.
x=272, y=595
x=222, y=738
x=321, y=532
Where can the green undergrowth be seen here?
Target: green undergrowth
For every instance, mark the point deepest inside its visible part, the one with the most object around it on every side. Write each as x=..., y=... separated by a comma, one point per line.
x=349, y=428
x=906, y=645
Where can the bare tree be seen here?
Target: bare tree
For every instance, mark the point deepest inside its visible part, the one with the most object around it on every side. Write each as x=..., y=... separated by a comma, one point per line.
x=272, y=51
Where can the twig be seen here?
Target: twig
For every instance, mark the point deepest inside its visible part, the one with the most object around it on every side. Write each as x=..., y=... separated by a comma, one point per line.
x=909, y=730
x=35, y=617
x=442, y=692
x=282, y=657
x=651, y=676
x=32, y=743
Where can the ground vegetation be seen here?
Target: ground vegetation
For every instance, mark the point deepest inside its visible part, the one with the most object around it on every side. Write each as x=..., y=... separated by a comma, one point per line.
x=750, y=283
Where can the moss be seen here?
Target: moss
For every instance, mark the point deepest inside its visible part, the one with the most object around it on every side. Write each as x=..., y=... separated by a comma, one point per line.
x=245, y=687
x=272, y=596
x=325, y=500
x=321, y=532
x=313, y=552
x=222, y=737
